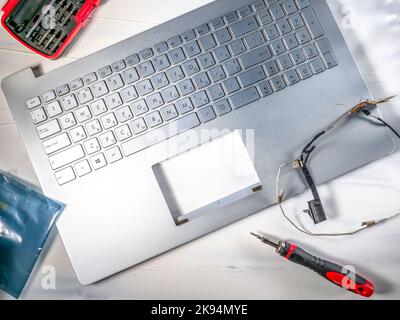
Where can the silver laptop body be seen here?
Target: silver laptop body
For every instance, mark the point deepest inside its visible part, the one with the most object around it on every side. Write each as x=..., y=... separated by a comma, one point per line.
x=117, y=214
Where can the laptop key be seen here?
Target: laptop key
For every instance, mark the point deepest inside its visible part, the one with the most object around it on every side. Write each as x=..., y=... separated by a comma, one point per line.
x=123, y=132
x=169, y=112
x=33, y=103
x=244, y=26
x=83, y=168
x=207, y=114
x=278, y=83
x=90, y=78
x=323, y=46
x=254, y=40
x=284, y=27
x=216, y=92
x=264, y=18
x=192, y=49
x=160, y=80
x=312, y=23
x=161, y=47
x=258, y=5
x=303, y=36
x=277, y=47
x=222, y=54
x=330, y=60
x=304, y=71
x=184, y=106
x=297, y=56
x=317, y=65
x=310, y=51
x=64, y=89
x=64, y=176
x=201, y=80
x=113, y=155
x=244, y=98
x=175, y=41
x=277, y=12
x=223, y=36
x=272, y=68
x=237, y=47
x=57, y=143
x=145, y=69
x=217, y=74
x=255, y=57
x=285, y=62
x=115, y=82
x=206, y=60
x=98, y=161
x=270, y=32
x=200, y=99
x=99, y=89
x=113, y=100
x=223, y=107
x=265, y=88
x=289, y=6
x=138, y=126
x=251, y=77
x=118, y=66
x=291, y=77
x=66, y=157
x=175, y=74
x=217, y=23
x=132, y=60
x=207, y=42
x=296, y=21
x=231, y=17
x=302, y=4
x=146, y=53
x=231, y=85
x=170, y=94
x=232, y=67
x=245, y=11
x=177, y=55
x=48, y=129
x=154, y=119
x=161, y=62
x=76, y=84
x=160, y=134
x=54, y=108
x=290, y=42
x=203, y=29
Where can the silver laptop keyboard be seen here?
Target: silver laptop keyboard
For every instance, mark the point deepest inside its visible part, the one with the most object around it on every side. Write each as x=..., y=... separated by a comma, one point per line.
x=190, y=79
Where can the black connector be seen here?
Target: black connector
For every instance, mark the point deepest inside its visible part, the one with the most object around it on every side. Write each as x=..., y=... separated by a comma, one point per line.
x=316, y=211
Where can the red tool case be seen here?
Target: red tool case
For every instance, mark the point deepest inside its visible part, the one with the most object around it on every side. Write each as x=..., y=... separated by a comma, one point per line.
x=46, y=27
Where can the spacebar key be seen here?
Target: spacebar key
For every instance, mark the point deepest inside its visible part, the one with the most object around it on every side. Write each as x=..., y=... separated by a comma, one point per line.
x=163, y=133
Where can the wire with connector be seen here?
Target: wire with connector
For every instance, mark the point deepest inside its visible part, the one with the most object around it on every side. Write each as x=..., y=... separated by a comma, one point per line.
x=315, y=206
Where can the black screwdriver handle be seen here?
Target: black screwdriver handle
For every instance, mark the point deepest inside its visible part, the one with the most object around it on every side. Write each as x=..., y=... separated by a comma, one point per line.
x=332, y=272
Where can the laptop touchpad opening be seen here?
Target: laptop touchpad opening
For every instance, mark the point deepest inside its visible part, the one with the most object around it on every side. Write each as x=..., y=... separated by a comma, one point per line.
x=210, y=176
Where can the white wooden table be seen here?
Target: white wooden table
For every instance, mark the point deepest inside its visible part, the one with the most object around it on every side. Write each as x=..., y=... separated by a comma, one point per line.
x=229, y=264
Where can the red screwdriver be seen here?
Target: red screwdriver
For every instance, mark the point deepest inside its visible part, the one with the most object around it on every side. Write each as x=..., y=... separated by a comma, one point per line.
x=333, y=272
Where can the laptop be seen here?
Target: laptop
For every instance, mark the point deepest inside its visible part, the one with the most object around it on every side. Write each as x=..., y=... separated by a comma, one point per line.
x=97, y=130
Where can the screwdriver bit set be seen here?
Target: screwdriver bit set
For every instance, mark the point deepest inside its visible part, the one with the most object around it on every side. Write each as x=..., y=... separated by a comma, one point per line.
x=46, y=27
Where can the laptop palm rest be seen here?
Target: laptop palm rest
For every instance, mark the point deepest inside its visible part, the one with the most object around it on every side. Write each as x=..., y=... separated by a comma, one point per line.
x=208, y=177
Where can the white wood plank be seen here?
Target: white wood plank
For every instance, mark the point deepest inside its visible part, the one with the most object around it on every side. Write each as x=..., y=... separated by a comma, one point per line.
x=98, y=34
x=149, y=11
